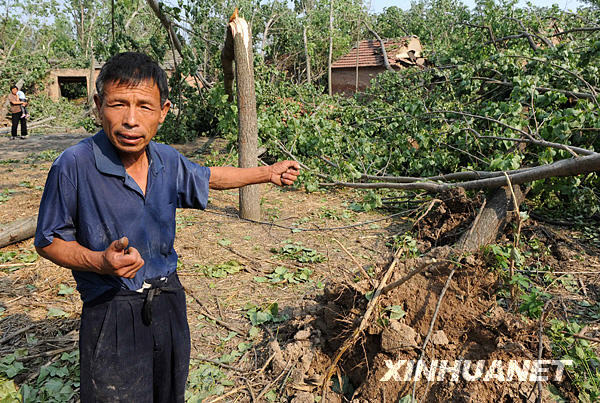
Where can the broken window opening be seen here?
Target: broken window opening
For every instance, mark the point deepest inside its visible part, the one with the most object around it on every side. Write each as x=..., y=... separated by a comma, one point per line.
x=73, y=88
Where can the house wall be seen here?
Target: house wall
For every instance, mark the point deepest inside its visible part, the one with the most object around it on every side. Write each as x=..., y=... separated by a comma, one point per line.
x=343, y=80
x=53, y=88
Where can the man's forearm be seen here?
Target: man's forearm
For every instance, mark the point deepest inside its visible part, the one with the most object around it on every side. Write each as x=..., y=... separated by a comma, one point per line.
x=72, y=255
x=230, y=178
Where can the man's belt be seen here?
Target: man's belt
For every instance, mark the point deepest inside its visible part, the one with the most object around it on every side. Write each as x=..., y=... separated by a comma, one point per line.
x=153, y=287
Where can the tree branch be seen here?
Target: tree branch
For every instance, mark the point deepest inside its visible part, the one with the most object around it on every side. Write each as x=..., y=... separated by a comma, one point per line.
x=527, y=35
x=468, y=175
x=486, y=27
x=574, y=94
x=168, y=24
x=583, y=29
x=530, y=139
x=386, y=61
x=568, y=167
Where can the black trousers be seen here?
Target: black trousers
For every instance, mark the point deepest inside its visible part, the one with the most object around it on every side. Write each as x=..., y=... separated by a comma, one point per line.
x=122, y=359
x=16, y=117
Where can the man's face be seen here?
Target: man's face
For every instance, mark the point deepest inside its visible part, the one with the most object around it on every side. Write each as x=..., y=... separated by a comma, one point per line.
x=131, y=115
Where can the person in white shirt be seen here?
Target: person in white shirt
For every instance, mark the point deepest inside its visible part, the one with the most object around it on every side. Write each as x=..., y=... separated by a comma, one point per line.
x=23, y=98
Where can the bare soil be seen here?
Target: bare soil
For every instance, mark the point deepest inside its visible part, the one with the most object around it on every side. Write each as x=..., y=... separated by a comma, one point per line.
x=287, y=360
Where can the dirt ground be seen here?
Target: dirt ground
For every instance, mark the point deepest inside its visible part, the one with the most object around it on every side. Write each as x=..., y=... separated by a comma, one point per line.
x=270, y=303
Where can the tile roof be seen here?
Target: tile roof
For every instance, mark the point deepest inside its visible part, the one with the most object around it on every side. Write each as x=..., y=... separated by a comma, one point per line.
x=369, y=53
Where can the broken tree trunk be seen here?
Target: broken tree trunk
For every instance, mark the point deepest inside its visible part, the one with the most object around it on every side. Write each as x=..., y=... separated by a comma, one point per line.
x=17, y=231
x=491, y=220
x=238, y=48
x=330, y=54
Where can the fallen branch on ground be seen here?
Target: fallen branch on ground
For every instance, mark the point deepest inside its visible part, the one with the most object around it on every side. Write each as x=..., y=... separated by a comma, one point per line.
x=17, y=333
x=18, y=230
x=32, y=125
x=211, y=317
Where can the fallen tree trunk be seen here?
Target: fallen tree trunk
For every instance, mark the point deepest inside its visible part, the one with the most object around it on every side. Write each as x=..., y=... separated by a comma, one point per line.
x=491, y=220
x=386, y=61
x=18, y=231
x=32, y=125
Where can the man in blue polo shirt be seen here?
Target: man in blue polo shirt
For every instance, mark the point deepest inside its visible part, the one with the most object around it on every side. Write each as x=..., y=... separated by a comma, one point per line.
x=108, y=214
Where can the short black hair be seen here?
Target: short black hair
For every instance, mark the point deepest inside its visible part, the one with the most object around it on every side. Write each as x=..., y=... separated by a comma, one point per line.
x=13, y=86
x=131, y=68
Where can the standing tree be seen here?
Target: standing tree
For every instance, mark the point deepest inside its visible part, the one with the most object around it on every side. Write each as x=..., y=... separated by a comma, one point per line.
x=330, y=56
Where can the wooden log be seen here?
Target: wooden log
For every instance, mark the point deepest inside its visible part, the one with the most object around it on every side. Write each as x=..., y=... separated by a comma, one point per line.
x=18, y=231
x=32, y=125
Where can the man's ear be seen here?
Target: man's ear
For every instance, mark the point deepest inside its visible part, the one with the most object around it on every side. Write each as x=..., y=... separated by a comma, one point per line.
x=98, y=102
x=164, y=110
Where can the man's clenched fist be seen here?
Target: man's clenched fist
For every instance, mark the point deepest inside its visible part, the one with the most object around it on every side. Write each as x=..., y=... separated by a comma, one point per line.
x=284, y=172
x=119, y=260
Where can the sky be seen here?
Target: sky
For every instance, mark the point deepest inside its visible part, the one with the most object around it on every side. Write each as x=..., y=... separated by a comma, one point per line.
x=378, y=5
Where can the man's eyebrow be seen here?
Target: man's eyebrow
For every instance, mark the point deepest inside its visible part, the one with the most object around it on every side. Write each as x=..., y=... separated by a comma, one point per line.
x=140, y=100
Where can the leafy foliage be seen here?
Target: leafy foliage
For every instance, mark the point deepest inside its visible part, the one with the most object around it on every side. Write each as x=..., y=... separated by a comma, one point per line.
x=206, y=380
x=270, y=313
x=222, y=269
x=405, y=123
x=298, y=252
x=585, y=370
x=284, y=275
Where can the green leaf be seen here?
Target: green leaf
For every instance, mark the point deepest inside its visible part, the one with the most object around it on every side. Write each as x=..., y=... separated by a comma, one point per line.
x=65, y=290
x=271, y=395
x=224, y=242
x=57, y=313
x=9, y=392
x=396, y=312
x=253, y=332
x=580, y=353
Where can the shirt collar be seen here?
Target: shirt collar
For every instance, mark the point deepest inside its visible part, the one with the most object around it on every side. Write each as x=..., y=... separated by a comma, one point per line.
x=108, y=161
x=155, y=162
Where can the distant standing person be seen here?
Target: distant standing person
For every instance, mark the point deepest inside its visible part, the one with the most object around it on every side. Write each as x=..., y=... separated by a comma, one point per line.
x=15, y=110
x=23, y=98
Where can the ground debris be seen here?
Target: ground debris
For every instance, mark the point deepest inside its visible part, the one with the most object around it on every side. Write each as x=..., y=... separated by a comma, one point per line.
x=398, y=336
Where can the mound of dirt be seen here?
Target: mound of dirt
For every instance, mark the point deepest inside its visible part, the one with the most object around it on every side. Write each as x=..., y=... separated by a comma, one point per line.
x=470, y=325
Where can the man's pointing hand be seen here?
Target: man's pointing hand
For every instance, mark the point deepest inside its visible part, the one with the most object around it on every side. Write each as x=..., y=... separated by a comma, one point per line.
x=284, y=172
x=119, y=260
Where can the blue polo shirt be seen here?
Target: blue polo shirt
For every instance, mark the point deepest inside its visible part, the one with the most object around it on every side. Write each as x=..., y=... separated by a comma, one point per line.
x=90, y=198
